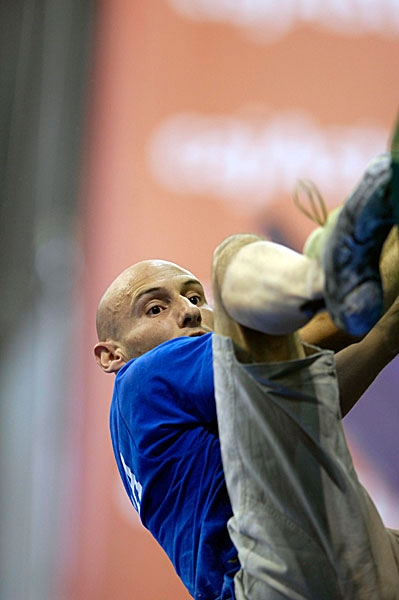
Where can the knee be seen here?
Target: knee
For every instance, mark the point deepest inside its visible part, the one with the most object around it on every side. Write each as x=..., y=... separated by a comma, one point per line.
x=223, y=255
x=227, y=250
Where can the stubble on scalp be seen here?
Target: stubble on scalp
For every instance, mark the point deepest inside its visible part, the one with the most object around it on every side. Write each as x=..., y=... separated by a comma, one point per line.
x=116, y=302
x=112, y=307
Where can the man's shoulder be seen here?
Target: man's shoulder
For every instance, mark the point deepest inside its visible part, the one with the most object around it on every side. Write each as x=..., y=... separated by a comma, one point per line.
x=176, y=377
x=167, y=357
x=173, y=347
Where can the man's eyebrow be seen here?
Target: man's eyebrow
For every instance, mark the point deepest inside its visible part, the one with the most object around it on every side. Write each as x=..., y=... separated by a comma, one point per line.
x=147, y=291
x=135, y=301
x=192, y=282
x=156, y=289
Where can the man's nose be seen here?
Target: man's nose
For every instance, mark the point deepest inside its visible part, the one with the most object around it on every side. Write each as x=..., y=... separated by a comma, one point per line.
x=190, y=314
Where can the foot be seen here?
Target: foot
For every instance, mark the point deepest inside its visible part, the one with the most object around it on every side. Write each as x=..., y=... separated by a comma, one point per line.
x=353, y=288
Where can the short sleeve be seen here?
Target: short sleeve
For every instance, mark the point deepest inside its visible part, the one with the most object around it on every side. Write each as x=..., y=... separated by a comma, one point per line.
x=166, y=397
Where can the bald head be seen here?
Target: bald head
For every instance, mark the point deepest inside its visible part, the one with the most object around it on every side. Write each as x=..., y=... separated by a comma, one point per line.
x=113, y=303
x=149, y=303
x=118, y=297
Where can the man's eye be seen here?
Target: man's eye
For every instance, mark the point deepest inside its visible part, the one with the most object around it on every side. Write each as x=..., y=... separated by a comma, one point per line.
x=195, y=300
x=154, y=310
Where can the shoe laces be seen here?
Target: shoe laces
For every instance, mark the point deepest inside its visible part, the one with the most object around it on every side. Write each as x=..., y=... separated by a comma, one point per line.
x=315, y=209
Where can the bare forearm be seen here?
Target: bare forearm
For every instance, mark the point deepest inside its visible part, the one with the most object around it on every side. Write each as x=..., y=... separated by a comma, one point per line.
x=389, y=267
x=359, y=364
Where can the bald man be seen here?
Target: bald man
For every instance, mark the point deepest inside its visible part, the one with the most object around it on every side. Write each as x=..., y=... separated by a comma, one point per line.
x=154, y=324
x=226, y=426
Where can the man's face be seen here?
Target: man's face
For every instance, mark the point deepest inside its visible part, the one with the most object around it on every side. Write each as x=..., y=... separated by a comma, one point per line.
x=164, y=301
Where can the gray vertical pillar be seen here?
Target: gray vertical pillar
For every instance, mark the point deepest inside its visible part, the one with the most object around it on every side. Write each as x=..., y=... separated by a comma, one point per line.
x=44, y=49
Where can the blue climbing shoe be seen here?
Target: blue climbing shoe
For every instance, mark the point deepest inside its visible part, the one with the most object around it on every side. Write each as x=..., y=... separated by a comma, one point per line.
x=353, y=289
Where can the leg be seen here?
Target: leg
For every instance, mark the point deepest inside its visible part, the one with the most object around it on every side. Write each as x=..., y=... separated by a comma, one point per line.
x=354, y=282
x=359, y=246
x=303, y=526
x=263, y=293
x=322, y=331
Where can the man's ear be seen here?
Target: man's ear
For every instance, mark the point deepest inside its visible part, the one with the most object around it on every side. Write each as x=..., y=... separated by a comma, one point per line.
x=109, y=356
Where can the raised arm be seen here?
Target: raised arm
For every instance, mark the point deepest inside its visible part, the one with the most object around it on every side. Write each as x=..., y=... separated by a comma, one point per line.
x=360, y=363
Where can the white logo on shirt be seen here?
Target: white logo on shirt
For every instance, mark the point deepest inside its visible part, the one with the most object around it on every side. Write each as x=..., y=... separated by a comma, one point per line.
x=134, y=484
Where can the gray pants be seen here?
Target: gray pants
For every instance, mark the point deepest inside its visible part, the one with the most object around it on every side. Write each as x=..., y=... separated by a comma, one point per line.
x=303, y=525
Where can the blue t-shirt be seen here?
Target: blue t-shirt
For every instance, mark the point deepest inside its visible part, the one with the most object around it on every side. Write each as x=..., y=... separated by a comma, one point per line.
x=165, y=438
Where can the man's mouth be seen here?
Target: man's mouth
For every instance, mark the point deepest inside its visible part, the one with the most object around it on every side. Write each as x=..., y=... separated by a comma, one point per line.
x=197, y=333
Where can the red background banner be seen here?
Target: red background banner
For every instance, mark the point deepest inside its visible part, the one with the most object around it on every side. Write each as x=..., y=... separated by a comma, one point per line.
x=201, y=118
